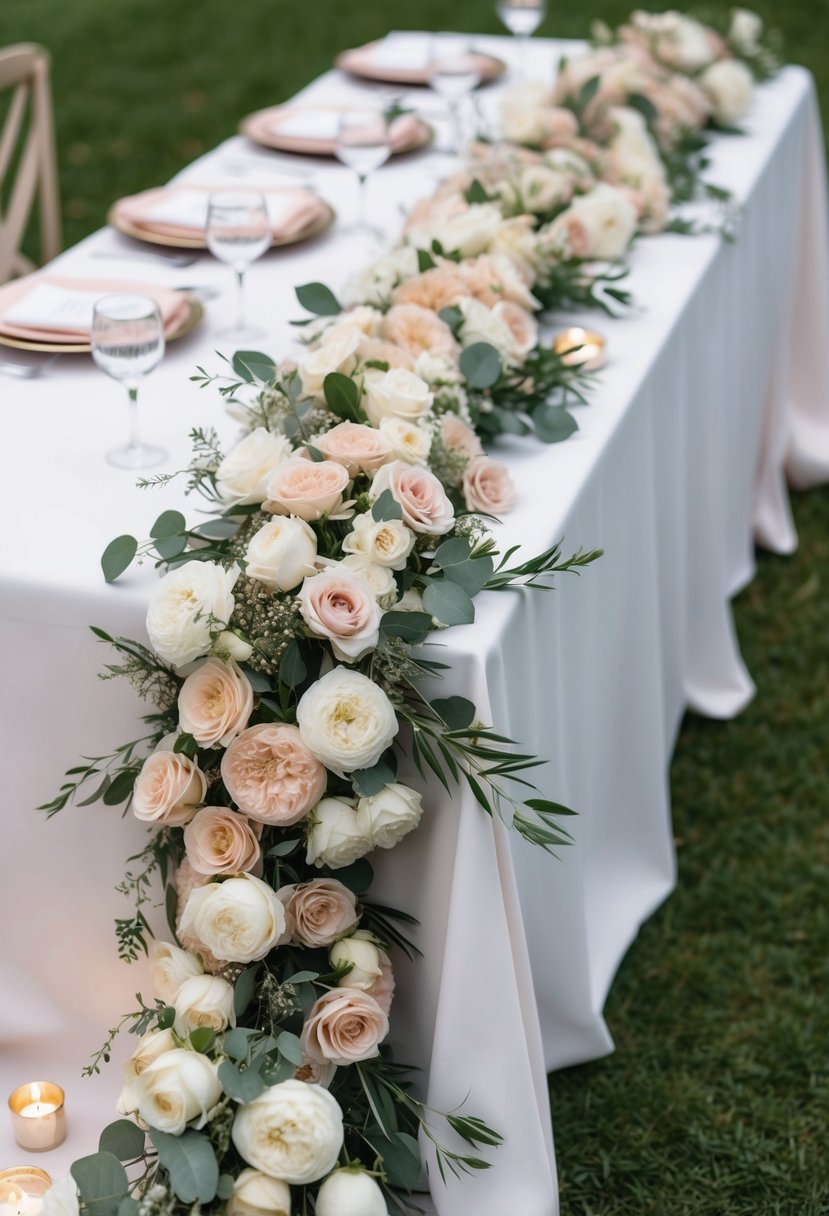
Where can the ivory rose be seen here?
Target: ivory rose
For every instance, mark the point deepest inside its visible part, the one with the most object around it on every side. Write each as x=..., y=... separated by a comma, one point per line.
x=306, y=488
x=204, y=1000
x=379, y=578
x=510, y=329
x=334, y=838
x=421, y=497
x=360, y=449
x=189, y=604
x=255, y=1194
x=396, y=394
x=61, y=1199
x=293, y=1131
x=150, y=1046
x=215, y=702
x=341, y=606
x=409, y=442
x=606, y=220
x=239, y=920
x=221, y=841
x=170, y=966
x=385, y=818
x=169, y=789
x=360, y=953
x=468, y=232
x=487, y=486
x=282, y=553
x=319, y=911
x=346, y=720
x=388, y=542
x=179, y=1088
x=350, y=1192
x=335, y=353
x=729, y=86
x=271, y=773
x=437, y=288
x=418, y=329
x=243, y=474
x=343, y=1027
x=745, y=30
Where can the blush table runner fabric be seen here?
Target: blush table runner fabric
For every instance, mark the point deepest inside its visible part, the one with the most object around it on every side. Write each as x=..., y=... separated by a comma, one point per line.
x=716, y=389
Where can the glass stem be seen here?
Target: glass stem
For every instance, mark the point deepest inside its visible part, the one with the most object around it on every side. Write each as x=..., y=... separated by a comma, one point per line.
x=240, y=298
x=362, y=205
x=457, y=127
x=132, y=399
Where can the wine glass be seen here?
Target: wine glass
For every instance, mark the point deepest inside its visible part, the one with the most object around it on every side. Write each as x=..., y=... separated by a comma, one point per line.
x=127, y=343
x=454, y=72
x=238, y=232
x=522, y=18
x=363, y=145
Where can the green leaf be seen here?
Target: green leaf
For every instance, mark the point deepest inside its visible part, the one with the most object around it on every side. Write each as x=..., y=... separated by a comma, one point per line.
x=588, y=91
x=545, y=807
x=472, y=575
x=301, y=977
x=117, y=556
x=318, y=299
x=386, y=507
x=316, y=455
x=644, y=105
x=120, y=787
x=166, y=1017
x=401, y=1159
x=241, y=1086
x=190, y=1161
x=476, y=193
x=244, y=990
x=480, y=364
x=235, y=1042
x=171, y=907
x=357, y=877
x=169, y=523
x=169, y=547
x=202, y=1038
x=425, y=261
x=342, y=396
x=292, y=669
x=289, y=1047
x=412, y=627
x=224, y=1189
x=128, y=1206
x=186, y=745
x=553, y=423
x=219, y=529
x=102, y=1182
x=453, y=317
x=456, y=712
x=284, y=848
x=448, y=603
x=449, y=552
x=123, y=1139
x=250, y=365
x=369, y=781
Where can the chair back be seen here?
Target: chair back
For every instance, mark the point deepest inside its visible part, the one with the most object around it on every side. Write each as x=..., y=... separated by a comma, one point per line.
x=28, y=170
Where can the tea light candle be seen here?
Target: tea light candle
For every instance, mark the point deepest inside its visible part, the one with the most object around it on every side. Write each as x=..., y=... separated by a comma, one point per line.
x=38, y=1117
x=22, y=1189
x=580, y=348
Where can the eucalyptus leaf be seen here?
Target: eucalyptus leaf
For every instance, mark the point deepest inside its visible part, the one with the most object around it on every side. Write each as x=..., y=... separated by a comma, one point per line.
x=117, y=556
x=448, y=603
x=251, y=365
x=240, y=1085
x=553, y=423
x=102, y=1182
x=289, y=1047
x=472, y=575
x=219, y=529
x=412, y=627
x=169, y=523
x=224, y=1188
x=456, y=712
x=284, y=848
x=235, y=1042
x=190, y=1161
x=370, y=781
x=480, y=364
x=123, y=1138
x=318, y=299
x=292, y=668
x=386, y=507
x=244, y=990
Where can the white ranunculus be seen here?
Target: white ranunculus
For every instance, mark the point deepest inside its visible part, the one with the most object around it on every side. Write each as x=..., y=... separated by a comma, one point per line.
x=375, y=285
x=379, y=578
x=191, y=603
x=255, y=1194
x=609, y=218
x=243, y=474
x=350, y=1192
x=361, y=954
x=282, y=553
x=729, y=86
x=61, y=1199
x=397, y=393
x=292, y=1131
x=181, y=1087
x=239, y=920
x=346, y=721
x=745, y=30
x=150, y=1046
x=387, y=542
x=409, y=441
x=204, y=1000
x=335, y=353
x=468, y=233
x=390, y=815
x=334, y=838
x=170, y=967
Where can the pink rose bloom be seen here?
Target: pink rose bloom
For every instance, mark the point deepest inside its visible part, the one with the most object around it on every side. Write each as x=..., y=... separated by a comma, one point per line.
x=419, y=329
x=457, y=436
x=305, y=488
x=570, y=232
x=378, y=350
x=383, y=987
x=358, y=448
x=341, y=606
x=420, y=495
x=215, y=703
x=220, y=841
x=435, y=289
x=344, y=1026
x=169, y=789
x=314, y=1073
x=318, y=912
x=487, y=486
x=520, y=323
x=562, y=126
x=270, y=774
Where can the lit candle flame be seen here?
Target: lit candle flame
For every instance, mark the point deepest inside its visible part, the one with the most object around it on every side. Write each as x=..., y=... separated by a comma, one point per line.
x=35, y=1092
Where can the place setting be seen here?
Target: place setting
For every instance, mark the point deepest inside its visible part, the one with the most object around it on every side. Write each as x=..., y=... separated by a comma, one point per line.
x=408, y=58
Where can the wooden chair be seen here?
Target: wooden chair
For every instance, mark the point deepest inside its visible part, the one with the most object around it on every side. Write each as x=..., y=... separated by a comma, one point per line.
x=28, y=170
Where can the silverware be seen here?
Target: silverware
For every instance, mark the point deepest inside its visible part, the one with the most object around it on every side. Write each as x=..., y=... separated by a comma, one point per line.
x=26, y=371
x=178, y=261
x=200, y=292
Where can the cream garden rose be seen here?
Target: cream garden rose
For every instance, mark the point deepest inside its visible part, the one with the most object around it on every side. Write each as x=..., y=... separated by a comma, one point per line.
x=346, y=721
x=336, y=353
x=306, y=488
x=150, y=1046
x=169, y=789
x=344, y=1027
x=334, y=838
x=318, y=912
x=396, y=394
x=293, y=1131
x=379, y=578
x=387, y=542
x=387, y=817
x=239, y=920
x=192, y=602
x=282, y=553
x=272, y=775
x=408, y=441
x=61, y=1199
x=221, y=841
x=255, y=1194
x=204, y=1000
x=339, y=605
x=242, y=476
x=170, y=966
x=359, y=448
x=350, y=1192
x=729, y=86
x=179, y=1089
x=215, y=702
x=421, y=497
x=361, y=954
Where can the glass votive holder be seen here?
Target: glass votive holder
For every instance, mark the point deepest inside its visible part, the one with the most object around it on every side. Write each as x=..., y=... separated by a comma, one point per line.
x=579, y=347
x=38, y=1116
x=22, y=1188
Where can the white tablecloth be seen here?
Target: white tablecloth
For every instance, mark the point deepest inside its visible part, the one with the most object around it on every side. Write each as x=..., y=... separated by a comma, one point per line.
x=716, y=384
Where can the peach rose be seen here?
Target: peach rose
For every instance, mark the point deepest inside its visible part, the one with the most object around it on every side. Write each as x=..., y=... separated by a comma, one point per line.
x=458, y=436
x=378, y=350
x=270, y=774
x=487, y=486
x=220, y=841
x=418, y=329
x=169, y=789
x=383, y=987
x=570, y=235
x=306, y=489
x=420, y=495
x=341, y=606
x=215, y=703
x=521, y=324
x=438, y=288
x=493, y=277
x=344, y=1026
x=358, y=448
x=319, y=911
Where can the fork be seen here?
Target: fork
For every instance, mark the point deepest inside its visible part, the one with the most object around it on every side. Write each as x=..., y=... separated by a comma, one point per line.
x=177, y=261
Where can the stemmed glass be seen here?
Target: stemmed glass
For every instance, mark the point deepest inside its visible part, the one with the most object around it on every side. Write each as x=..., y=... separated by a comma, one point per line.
x=238, y=232
x=522, y=18
x=363, y=145
x=127, y=343
x=454, y=71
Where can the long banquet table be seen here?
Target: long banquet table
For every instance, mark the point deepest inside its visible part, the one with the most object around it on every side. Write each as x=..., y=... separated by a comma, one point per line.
x=717, y=387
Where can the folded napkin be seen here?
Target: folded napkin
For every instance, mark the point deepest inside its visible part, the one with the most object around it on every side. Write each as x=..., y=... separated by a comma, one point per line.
x=46, y=308
x=182, y=210
x=314, y=129
x=404, y=58
x=400, y=50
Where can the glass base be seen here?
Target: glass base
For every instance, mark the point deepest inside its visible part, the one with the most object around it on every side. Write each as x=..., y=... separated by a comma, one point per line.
x=245, y=334
x=136, y=456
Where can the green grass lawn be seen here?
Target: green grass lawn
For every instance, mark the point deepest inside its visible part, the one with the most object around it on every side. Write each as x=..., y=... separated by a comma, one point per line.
x=716, y=1102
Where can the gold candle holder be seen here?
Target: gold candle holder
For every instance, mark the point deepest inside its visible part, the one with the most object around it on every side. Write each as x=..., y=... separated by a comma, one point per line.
x=38, y=1116
x=579, y=347
x=22, y=1188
